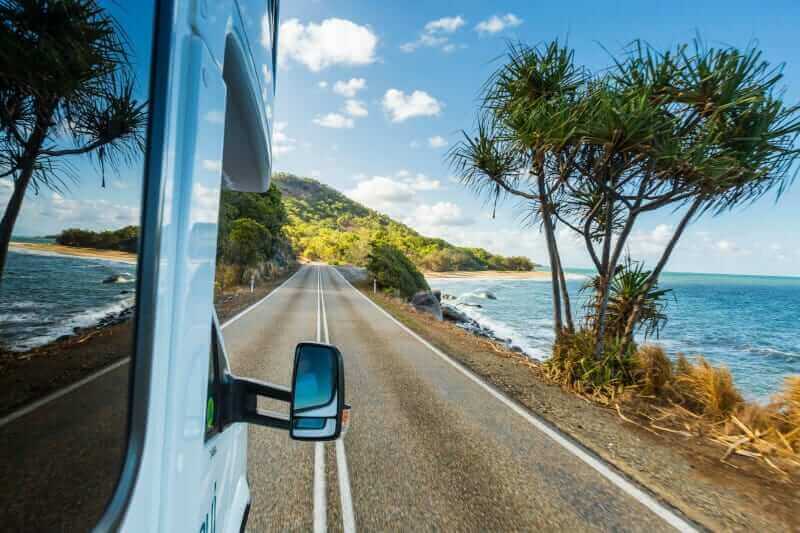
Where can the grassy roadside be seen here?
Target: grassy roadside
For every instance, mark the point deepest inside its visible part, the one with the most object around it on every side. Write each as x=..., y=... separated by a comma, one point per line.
x=685, y=471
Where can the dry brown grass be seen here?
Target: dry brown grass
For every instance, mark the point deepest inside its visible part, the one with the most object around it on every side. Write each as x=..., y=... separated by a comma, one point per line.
x=696, y=399
x=653, y=370
x=705, y=389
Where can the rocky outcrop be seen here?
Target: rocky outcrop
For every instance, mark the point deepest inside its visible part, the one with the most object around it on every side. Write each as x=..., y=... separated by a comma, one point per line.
x=427, y=302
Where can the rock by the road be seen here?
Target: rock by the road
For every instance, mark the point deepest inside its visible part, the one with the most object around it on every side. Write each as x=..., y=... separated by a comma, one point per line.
x=427, y=302
x=451, y=313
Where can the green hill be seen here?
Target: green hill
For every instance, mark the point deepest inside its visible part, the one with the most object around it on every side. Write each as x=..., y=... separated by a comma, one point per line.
x=326, y=225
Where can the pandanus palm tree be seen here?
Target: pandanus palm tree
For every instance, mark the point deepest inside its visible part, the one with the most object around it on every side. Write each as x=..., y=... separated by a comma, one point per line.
x=66, y=89
x=696, y=129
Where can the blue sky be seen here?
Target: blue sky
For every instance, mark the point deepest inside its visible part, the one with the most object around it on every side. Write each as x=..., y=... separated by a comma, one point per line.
x=371, y=94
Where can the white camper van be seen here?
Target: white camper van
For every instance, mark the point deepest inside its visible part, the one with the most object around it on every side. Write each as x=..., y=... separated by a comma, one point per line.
x=119, y=411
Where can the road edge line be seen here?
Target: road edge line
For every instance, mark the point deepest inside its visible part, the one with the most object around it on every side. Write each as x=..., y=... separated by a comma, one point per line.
x=60, y=392
x=240, y=314
x=608, y=471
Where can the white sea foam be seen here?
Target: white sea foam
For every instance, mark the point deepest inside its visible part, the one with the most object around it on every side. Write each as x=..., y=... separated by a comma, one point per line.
x=86, y=319
x=502, y=330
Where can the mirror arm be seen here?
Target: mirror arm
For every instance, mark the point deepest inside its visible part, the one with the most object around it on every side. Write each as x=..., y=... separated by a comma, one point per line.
x=241, y=402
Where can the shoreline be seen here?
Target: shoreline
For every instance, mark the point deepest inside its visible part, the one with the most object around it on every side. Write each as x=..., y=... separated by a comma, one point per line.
x=73, y=251
x=71, y=357
x=684, y=470
x=538, y=275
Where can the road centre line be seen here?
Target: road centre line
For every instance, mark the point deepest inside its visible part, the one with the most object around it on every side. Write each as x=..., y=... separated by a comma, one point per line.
x=320, y=494
x=345, y=495
x=607, y=471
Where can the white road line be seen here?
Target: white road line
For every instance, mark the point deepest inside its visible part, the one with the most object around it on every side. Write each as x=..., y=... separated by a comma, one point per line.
x=320, y=494
x=113, y=366
x=320, y=497
x=627, y=486
x=345, y=496
x=261, y=301
x=61, y=392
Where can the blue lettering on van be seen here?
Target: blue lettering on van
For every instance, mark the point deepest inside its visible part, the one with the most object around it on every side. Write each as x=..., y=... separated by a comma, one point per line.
x=210, y=526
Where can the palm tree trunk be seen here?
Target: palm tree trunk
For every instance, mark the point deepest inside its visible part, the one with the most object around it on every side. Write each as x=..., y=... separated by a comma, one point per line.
x=564, y=294
x=11, y=213
x=654, y=275
x=605, y=283
x=32, y=148
x=552, y=252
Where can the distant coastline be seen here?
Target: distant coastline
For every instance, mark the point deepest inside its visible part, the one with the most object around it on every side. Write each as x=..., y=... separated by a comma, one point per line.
x=74, y=251
x=538, y=275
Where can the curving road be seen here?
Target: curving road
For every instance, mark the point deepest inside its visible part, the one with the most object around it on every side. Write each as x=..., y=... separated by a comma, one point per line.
x=430, y=446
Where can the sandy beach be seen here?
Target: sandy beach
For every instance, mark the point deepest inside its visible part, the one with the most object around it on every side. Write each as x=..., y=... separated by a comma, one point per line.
x=489, y=274
x=89, y=253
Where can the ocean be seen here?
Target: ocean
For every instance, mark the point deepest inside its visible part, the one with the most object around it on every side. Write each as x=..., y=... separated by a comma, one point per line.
x=751, y=324
x=45, y=296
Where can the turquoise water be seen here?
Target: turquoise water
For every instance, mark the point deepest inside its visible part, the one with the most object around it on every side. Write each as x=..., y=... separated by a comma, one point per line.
x=751, y=324
x=44, y=296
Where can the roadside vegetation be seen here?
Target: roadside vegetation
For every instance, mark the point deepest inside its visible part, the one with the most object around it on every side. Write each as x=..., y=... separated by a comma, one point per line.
x=326, y=225
x=393, y=272
x=124, y=239
x=251, y=242
x=693, y=131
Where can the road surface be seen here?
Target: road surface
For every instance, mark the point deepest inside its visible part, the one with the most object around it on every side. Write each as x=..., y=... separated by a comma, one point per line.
x=429, y=448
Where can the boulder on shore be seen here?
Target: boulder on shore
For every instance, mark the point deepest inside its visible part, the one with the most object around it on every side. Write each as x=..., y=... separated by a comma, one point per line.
x=451, y=313
x=427, y=302
x=486, y=294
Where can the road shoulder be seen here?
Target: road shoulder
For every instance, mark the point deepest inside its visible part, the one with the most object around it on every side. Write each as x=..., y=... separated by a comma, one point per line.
x=688, y=475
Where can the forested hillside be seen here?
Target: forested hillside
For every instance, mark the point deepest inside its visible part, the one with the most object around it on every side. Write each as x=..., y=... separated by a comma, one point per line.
x=326, y=225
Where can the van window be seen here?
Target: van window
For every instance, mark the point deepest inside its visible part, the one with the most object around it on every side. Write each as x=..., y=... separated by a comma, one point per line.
x=74, y=81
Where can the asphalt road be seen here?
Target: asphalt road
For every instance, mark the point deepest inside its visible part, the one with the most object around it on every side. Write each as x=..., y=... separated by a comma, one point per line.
x=429, y=448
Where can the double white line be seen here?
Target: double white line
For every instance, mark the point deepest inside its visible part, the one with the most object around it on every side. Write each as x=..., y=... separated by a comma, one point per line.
x=320, y=494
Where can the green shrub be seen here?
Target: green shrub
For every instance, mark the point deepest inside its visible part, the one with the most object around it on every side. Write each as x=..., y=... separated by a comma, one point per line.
x=393, y=270
x=249, y=242
x=573, y=364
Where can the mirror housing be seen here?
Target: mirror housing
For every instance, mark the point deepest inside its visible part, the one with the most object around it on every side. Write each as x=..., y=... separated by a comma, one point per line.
x=317, y=398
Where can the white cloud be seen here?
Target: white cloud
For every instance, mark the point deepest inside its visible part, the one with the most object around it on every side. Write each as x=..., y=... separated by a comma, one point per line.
x=439, y=214
x=334, y=41
x=496, y=24
x=445, y=24
x=382, y=193
x=422, y=183
x=334, y=120
x=394, y=196
x=212, y=165
x=215, y=116
x=434, y=35
x=417, y=104
x=281, y=142
x=316, y=174
x=414, y=144
x=322, y=85
x=437, y=141
x=89, y=214
x=349, y=88
x=355, y=108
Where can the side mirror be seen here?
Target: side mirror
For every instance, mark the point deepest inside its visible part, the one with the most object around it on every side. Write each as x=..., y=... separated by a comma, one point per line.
x=317, y=398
